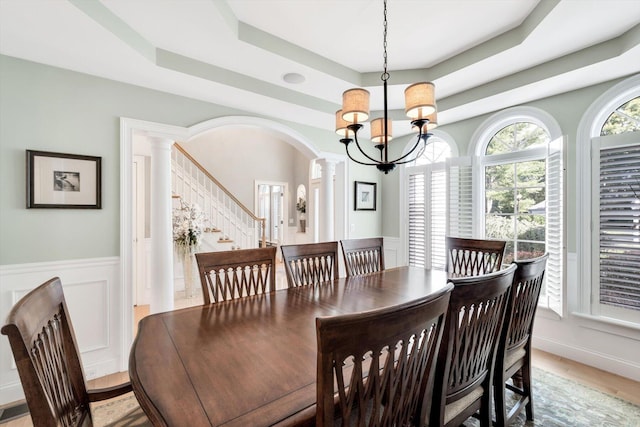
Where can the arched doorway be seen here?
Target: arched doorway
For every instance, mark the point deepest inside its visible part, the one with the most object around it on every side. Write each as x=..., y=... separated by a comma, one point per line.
x=163, y=135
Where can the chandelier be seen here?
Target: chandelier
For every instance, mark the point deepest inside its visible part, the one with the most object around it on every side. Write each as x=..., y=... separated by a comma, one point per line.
x=420, y=107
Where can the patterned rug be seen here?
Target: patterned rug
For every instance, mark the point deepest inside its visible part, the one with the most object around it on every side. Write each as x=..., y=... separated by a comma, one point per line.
x=119, y=412
x=559, y=402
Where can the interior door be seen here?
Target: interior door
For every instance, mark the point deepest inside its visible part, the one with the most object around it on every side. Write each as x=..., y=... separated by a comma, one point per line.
x=270, y=205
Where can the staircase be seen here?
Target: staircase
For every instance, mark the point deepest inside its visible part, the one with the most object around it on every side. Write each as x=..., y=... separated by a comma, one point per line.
x=229, y=224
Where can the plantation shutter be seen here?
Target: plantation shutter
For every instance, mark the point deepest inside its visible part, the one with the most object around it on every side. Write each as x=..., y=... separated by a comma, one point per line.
x=555, y=226
x=417, y=219
x=460, y=197
x=617, y=257
x=438, y=209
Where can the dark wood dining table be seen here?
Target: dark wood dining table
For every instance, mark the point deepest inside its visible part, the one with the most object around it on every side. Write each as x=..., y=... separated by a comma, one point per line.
x=252, y=361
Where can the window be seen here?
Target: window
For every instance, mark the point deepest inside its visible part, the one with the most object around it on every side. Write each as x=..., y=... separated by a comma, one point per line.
x=608, y=251
x=518, y=182
x=515, y=190
x=426, y=184
x=615, y=190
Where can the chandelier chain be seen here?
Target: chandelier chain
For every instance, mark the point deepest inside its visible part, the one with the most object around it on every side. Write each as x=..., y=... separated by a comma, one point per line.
x=385, y=74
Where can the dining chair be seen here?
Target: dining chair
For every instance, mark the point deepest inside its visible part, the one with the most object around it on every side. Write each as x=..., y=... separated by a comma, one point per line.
x=363, y=256
x=376, y=368
x=513, y=359
x=310, y=263
x=227, y=275
x=471, y=257
x=46, y=354
x=464, y=370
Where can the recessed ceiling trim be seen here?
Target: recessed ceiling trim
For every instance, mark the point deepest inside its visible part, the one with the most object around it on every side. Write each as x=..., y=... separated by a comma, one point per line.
x=607, y=50
x=183, y=64
x=112, y=23
x=293, y=52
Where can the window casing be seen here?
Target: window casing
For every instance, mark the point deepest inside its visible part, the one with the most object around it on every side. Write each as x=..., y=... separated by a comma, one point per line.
x=515, y=190
x=519, y=191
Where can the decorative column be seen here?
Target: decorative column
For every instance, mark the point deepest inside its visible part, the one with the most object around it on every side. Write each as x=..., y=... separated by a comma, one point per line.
x=162, y=292
x=326, y=208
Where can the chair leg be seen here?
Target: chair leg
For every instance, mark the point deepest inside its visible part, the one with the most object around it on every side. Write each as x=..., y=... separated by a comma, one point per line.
x=485, y=408
x=526, y=385
x=499, y=393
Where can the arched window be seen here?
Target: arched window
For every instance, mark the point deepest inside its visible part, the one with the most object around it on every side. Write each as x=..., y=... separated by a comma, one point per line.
x=611, y=250
x=515, y=189
x=426, y=197
x=518, y=190
x=625, y=118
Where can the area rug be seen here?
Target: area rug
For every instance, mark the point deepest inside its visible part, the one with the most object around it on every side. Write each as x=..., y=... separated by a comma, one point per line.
x=119, y=412
x=559, y=402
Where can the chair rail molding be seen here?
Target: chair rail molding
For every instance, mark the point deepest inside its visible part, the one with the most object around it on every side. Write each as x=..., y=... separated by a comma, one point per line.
x=95, y=300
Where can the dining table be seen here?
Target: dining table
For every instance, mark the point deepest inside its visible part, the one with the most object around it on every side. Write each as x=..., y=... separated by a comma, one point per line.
x=251, y=361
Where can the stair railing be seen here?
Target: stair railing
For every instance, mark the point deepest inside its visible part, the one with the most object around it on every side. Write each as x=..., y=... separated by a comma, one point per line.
x=191, y=181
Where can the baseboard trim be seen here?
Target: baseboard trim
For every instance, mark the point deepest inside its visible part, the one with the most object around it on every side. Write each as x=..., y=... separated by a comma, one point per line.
x=601, y=361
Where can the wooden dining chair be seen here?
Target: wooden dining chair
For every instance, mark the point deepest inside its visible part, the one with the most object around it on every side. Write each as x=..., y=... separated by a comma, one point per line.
x=376, y=368
x=363, y=256
x=466, y=360
x=227, y=275
x=310, y=263
x=513, y=359
x=471, y=257
x=46, y=354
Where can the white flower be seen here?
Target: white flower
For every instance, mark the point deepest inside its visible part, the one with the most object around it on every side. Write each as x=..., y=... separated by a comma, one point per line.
x=188, y=221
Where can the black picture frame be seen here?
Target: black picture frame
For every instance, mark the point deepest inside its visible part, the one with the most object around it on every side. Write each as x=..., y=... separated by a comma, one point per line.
x=364, y=196
x=63, y=181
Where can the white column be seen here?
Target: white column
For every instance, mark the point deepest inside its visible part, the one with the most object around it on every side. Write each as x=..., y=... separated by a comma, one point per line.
x=162, y=293
x=326, y=208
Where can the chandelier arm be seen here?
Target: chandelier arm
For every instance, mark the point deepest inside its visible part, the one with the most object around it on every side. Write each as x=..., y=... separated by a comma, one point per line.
x=421, y=137
x=358, y=161
x=375, y=162
x=422, y=150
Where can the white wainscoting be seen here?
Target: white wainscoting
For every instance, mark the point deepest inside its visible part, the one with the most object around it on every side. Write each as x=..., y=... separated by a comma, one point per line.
x=94, y=296
x=392, y=253
x=608, y=347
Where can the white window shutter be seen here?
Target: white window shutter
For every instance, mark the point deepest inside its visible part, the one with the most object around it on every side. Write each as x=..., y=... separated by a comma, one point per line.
x=417, y=218
x=438, y=209
x=555, y=237
x=616, y=238
x=460, y=197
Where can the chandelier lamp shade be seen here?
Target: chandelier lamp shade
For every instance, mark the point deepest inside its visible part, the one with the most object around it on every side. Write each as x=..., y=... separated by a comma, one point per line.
x=420, y=108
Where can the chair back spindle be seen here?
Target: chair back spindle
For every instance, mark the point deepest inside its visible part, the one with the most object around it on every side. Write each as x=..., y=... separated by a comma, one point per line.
x=472, y=257
x=363, y=256
x=513, y=359
x=311, y=263
x=376, y=368
x=46, y=353
x=234, y=274
x=467, y=355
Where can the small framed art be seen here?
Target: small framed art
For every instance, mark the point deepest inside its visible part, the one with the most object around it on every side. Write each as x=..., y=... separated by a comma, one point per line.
x=56, y=180
x=365, y=196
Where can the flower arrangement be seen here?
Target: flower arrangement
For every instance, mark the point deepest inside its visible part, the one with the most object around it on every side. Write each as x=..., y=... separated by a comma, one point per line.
x=188, y=222
x=301, y=206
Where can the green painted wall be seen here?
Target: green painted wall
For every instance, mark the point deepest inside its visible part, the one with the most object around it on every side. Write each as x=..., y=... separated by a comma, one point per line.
x=50, y=109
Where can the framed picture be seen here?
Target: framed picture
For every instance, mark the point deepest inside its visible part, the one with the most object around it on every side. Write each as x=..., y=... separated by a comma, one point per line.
x=365, y=196
x=56, y=180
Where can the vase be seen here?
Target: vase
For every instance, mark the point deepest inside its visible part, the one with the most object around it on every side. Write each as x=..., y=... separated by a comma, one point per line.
x=189, y=274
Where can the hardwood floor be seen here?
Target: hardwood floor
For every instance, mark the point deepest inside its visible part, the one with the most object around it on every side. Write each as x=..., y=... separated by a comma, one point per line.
x=603, y=381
